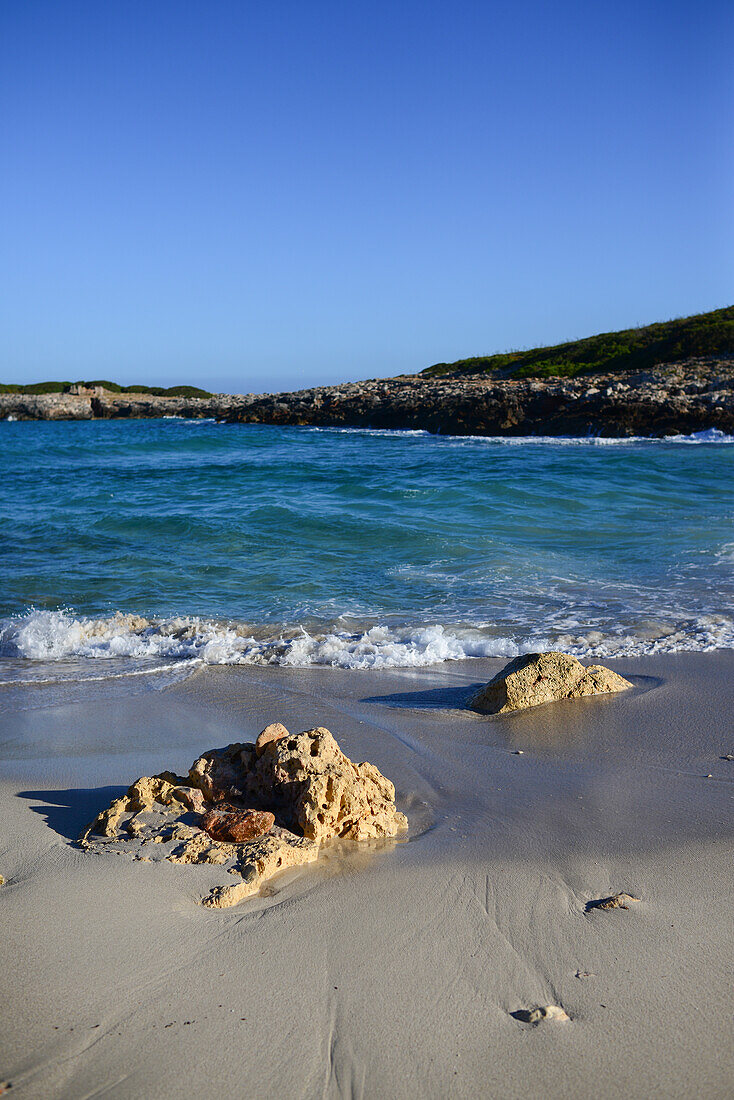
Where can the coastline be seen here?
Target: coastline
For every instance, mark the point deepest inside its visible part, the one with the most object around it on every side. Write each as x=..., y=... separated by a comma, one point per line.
x=690, y=396
x=418, y=950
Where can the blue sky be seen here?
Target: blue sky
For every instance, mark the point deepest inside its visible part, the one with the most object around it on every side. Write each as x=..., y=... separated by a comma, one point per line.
x=254, y=196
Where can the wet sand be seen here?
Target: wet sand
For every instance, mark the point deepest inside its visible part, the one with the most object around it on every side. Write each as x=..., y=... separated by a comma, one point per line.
x=391, y=969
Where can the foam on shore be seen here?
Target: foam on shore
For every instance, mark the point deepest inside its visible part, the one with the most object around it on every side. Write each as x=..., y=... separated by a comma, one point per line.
x=707, y=435
x=54, y=636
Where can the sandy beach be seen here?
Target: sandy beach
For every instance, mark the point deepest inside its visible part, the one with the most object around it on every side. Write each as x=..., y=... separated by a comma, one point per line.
x=367, y=552
x=390, y=968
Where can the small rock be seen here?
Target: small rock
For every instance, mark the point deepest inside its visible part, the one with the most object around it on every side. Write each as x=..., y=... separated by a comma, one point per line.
x=235, y=826
x=276, y=731
x=616, y=901
x=519, y=752
x=728, y=756
x=218, y=773
x=190, y=797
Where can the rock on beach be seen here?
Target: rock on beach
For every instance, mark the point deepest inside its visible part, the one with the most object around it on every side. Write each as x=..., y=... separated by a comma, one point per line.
x=537, y=678
x=253, y=809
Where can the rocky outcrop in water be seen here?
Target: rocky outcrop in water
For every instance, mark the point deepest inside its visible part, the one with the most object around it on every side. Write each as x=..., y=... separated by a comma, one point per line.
x=538, y=678
x=96, y=403
x=679, y=398
x=253, y=809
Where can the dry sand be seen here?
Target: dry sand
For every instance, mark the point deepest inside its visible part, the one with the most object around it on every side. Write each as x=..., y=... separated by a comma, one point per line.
x=390, y=970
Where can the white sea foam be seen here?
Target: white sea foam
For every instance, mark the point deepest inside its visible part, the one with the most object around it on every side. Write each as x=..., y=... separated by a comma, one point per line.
x=59, y=635
x=708, y=435
x=381, y=647
x=55, y=635
x=381, y=433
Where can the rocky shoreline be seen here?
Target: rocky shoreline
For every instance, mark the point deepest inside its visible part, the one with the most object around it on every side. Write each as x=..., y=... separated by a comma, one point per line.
x=693, y=395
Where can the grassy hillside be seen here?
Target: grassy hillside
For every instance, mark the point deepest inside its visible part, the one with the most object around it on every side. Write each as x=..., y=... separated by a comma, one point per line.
x=62, y=387
x=631, y=349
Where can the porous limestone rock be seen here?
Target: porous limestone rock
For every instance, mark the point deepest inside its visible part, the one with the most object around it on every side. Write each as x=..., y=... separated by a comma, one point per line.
x=537, y=678
x=308, y=782
x=220, y=773
x=166, y=789
x=259, y=861
x=323, y=793
x=252, y=813
x=276, y=731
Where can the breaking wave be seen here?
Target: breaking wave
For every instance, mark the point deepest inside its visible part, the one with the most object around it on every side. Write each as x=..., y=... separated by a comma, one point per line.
x=707, y=435
x=50, y=636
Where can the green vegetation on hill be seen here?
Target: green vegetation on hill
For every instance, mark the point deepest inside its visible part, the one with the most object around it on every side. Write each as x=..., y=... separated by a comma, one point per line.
x=112, y=387
x=631, y=349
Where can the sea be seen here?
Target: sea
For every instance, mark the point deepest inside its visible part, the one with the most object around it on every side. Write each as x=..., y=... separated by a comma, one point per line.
x=150, y=548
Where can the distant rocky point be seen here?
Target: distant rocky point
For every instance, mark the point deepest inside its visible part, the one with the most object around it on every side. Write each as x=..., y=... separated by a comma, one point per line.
x=690, y=396
x=664, y=379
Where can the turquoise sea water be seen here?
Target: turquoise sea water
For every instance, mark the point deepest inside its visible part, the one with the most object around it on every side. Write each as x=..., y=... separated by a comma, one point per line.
x=360, y=548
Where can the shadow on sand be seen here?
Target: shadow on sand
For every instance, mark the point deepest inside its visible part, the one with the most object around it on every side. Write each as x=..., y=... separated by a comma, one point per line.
x=67, y=812
x=446, y=698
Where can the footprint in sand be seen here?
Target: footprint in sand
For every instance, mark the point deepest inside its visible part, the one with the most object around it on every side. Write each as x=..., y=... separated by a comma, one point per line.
x=540, y=1014
x=616, y=901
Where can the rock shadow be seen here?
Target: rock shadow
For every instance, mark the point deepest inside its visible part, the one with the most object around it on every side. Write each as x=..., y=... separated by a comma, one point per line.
x=445, y=698
x=457, y=698
x=523, y=1015
x=67, y=812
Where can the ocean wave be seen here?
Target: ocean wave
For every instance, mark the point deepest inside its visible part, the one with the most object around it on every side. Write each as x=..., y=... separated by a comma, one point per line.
x=57, y=635
x=707, y=435
x=381, y=433
x=710, y=435
x=50, y=636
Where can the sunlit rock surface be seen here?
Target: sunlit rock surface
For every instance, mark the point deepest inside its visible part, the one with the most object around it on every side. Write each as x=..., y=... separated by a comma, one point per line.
x=537, y=678
x=252, y=809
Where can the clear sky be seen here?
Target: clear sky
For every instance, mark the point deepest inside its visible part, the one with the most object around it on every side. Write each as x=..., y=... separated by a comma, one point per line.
x=262, y=195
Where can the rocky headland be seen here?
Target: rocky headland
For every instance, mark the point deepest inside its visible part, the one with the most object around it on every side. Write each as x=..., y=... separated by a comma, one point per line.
x=685, y=397
x=688, y=396
x=97, y=403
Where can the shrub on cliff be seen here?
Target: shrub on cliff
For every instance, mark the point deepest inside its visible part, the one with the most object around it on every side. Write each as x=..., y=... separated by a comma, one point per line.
x=640, y=349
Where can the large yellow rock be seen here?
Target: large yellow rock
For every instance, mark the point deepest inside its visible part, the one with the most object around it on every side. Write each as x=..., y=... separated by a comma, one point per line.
x=324, y=794
x=537, y=678
x=305, y=782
